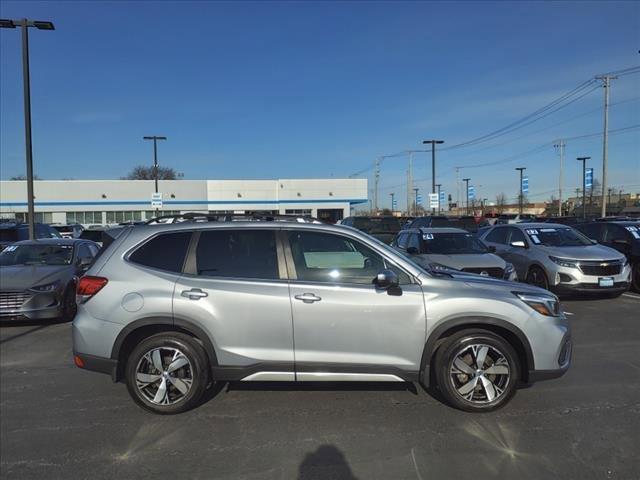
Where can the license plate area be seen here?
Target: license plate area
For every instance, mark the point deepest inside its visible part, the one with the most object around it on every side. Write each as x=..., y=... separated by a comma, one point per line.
x=605, y=281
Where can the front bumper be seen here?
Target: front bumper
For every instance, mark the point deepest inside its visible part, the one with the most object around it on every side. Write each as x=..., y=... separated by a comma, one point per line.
x=573, y=280
x=30, y=305
x=563, y=360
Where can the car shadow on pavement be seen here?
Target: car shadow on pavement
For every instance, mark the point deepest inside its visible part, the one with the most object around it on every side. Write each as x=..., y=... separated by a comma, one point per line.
x=326, y=461
x=22, y=334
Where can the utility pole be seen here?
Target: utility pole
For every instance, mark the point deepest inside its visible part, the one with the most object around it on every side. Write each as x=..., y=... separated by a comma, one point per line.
x=584, y=185
x=458, y=190
x=433, y=165
x=393, y=197
x=409, y=182
x=605, y=139
x=466, y=181
x=25, y=24
x=376, y=173
x=520, y=202
x=560, y=146
x=609, y=196
x=415, y=211
x=155, y=158
x=438, y=185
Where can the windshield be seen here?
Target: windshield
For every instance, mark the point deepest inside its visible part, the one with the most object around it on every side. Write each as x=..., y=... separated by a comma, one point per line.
x=451, y=244
x=63, y=228
x=36, y=255
x=633, y=229
x=557, y=237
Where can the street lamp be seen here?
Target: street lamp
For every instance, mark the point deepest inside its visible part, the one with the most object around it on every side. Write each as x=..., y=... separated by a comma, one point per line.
x=25, y=24
x=584, y=184
x=155, y=158
x=433, y=165
x=415, y=210
x=520, y=169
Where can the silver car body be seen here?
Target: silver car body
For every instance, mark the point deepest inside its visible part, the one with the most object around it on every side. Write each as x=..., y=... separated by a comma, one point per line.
x=593, y=262
x=286, y=329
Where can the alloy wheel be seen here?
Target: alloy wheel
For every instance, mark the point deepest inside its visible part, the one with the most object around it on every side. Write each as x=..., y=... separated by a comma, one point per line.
x=164, y=376
x=480, y=373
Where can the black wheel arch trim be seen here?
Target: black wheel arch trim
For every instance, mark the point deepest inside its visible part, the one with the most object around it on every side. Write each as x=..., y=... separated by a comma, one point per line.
x=183, y=324
x=434, y=340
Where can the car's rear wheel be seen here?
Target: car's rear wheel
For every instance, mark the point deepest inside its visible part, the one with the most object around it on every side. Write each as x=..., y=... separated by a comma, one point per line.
x=167, y=373
x=537, y=277
x=476, y=370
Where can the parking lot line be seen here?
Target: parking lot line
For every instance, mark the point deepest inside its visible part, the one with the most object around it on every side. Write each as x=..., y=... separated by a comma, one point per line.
x=631, y=295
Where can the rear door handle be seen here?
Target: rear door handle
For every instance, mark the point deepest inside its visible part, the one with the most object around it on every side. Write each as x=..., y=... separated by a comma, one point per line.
x=308, y=298
x=194, y=294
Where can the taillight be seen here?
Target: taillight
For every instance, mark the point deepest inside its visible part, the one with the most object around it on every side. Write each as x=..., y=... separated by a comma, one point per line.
x=88, y=286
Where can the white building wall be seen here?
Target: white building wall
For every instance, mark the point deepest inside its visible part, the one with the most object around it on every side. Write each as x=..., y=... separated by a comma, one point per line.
x=57, y=197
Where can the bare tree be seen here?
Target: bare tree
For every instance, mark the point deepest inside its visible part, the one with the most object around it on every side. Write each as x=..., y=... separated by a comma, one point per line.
x=501, y=201
x=142, y=172
x=24, y=177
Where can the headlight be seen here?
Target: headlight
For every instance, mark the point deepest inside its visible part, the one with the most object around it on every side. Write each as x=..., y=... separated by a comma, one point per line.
x=509, y=272
x=564, y=262
x=543, y=304
x=439, y=267
x=49, y=287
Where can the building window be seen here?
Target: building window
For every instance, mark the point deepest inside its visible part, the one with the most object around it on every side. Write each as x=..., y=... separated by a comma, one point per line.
x=40, y=217
x=298, y=212
x=86, y=218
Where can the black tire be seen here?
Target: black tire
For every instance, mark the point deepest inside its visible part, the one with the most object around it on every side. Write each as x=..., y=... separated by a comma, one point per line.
x=635, y=278
x=536, y=276
x=69, y=306
x=449, y=383
x=197, y=371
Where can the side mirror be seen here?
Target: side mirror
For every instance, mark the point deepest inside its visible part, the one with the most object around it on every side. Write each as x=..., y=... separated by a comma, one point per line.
x=412, y=251
x=593, y=242
x=386, y=279
x=492, y=249
x=84, y=262
x=519, y=244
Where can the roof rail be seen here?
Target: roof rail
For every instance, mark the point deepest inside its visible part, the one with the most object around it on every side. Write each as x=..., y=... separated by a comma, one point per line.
x=230, y=217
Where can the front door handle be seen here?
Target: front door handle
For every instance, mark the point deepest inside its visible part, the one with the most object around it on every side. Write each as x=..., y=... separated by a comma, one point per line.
x=308, y=298
x=194, y=294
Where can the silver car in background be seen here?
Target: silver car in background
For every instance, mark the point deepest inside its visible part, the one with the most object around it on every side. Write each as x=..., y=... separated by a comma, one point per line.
x=452, y=248
x=170, y=308
x=559, y=258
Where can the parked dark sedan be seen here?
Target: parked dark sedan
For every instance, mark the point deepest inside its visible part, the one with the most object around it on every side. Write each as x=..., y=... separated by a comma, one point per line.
x=382, y=228
x=11, y=232
x=623, y=235
x=38, y=278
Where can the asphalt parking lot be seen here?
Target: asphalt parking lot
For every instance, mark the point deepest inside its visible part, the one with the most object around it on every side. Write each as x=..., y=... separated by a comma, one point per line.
x=61, y=422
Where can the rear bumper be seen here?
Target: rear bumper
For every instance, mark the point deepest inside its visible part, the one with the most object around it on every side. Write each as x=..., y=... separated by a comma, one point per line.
x=96, y=364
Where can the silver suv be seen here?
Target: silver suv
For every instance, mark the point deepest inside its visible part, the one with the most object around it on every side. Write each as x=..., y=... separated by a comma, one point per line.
x=560, y=258
x=169, y=309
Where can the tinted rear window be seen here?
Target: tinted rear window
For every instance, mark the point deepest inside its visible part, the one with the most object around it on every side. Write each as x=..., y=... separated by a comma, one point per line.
x=237, y=254
x=165, y=252
x=10, y=235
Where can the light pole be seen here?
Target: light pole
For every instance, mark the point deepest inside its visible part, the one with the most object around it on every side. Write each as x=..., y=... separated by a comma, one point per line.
x=393, y=200
x=415, y=210
x=466, y=181
x=155, y=158
x=520, y=169
x=25, y=24
x=438, y=185
x=433, y=165
x=584, y=185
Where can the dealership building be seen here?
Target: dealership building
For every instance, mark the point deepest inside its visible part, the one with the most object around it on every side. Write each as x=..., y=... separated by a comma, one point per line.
x=103, y=202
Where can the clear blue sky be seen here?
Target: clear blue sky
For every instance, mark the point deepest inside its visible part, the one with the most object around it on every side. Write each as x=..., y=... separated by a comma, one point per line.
x=268, y=89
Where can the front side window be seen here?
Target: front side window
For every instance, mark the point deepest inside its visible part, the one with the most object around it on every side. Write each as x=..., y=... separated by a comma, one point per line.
x=517, y=236
x=414, y=241
x=402, y=240
x=36, y=255
x=328, y=258
x=237, y=254
x=497, y=235
x=164, y=252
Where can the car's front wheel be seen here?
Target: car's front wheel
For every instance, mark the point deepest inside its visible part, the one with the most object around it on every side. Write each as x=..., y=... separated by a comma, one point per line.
x=167, y=373
x=536, y=276
x=476, y=370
